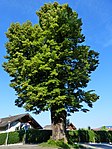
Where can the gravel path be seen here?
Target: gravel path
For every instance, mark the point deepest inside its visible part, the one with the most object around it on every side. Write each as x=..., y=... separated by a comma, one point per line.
x=23, y=147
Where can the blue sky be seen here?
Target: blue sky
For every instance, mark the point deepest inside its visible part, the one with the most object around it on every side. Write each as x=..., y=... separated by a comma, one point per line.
x=97, y=27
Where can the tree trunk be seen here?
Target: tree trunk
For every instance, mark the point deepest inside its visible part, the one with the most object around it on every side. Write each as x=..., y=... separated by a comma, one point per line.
x=58, y=125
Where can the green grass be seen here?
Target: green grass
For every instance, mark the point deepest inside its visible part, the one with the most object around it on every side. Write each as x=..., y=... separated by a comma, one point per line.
x=59, y=145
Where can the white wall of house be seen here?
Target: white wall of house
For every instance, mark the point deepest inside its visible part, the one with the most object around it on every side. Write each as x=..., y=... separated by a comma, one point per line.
x=12, y=127
x=15, y=126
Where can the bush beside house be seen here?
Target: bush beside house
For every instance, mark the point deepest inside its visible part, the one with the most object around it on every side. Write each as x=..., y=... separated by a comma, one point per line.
x=15, y=137
x=39, y=136
x=31, y=136
x=2, y=138
x=82, y=135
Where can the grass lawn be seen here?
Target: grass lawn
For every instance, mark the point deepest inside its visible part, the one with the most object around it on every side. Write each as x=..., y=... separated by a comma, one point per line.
x=59, y=145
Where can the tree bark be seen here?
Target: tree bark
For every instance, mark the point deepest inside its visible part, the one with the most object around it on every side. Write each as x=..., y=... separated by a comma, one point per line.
x=58, y=125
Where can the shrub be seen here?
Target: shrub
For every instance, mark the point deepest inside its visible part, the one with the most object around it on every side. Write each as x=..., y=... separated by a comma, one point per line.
x=21, y=135
x=91, y=136
x=13, y=138
x=102, y=136
x=2, y=138
x=58, y=144
x=38, y=136
x=72, y=136
x=83, y=135
x=31, y=136
x=110, y=136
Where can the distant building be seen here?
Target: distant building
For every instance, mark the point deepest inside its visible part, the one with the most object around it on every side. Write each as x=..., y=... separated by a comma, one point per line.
x=109, y=128
x=17, y=122
x=69, y=127
x=48, y=127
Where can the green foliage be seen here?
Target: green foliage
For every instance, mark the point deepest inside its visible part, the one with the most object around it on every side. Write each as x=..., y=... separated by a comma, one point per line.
x=73, y=136
x=102, y=136
x=2, y=138
x=82, y=135
x=91, y=136
x=110, y=136
x=104, y=128
x=38, y=136
x=32, y=136
x=60, y=144
x=21, y=135
x=48, y=63
x=13, y=138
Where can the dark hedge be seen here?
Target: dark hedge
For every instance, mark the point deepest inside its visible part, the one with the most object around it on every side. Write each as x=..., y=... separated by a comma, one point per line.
x=39, y=136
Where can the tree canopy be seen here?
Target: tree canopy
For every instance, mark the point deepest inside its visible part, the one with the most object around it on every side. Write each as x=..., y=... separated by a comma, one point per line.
x=49, y=63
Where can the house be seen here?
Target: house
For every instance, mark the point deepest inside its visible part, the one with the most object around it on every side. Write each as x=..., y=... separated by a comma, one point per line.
x=17, y=122
x=109, y=128
x=69, y=127
x=48, y=127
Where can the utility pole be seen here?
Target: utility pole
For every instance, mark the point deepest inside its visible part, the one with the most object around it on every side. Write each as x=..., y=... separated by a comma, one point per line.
x=6, y=141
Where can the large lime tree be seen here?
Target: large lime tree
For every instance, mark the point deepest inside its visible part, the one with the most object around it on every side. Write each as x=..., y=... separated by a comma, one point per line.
x=49, y=65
